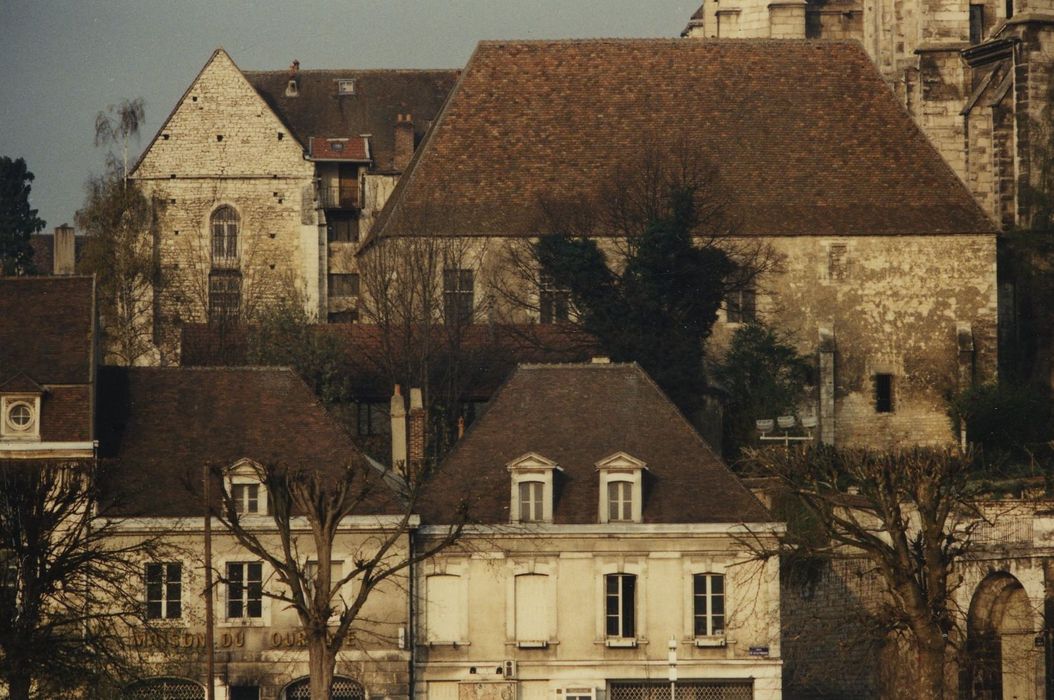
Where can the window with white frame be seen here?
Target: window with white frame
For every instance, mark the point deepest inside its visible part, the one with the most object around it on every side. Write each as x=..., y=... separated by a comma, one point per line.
x=444, y=609
x=620, y=606
x=531, y=497
x=621, y=488
x=246, y=498
x=20, y=417
x=244, y=590
x=532, y=592
x=620, y=501
x=164, y=591
x=708, y=605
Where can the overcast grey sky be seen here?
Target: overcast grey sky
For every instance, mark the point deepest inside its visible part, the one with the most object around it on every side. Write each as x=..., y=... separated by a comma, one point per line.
x=65, y=61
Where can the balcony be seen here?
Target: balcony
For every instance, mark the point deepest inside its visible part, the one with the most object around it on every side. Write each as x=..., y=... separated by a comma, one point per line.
x=335, y=197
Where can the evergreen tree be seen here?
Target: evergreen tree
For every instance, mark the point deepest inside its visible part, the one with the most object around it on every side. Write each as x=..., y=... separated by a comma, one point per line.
x=17, y=221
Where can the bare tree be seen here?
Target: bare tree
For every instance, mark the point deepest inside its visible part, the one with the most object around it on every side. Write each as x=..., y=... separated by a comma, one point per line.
x=65, y=602
x=329, y=603
x=425, y=297
x=911, y=515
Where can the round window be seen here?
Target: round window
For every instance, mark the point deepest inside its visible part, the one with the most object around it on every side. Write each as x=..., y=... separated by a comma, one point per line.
x=20, y=416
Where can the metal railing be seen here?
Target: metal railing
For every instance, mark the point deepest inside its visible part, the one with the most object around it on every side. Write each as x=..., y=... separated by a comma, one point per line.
x=336, y=197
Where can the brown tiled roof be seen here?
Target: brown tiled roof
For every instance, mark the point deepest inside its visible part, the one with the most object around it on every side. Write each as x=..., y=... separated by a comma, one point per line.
x=379, y=97
x=807, y=137
x=576, y=415
x=46, y=326
x=159, y=426
x=350, y=148
x=493, y=351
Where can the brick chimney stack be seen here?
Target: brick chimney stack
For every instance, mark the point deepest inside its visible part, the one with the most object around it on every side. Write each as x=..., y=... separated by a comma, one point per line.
x=404, y=142
x=416, y=451
x=63, y=256
x=398, y=415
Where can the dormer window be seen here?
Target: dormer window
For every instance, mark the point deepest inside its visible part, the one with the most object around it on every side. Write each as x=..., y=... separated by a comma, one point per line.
x=346, y=86
x=621, y=488
x=20, y=417
x=244, y=484
x=531, y=496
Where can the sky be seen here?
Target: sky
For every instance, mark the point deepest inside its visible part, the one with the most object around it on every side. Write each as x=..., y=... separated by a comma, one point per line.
x=66, y=61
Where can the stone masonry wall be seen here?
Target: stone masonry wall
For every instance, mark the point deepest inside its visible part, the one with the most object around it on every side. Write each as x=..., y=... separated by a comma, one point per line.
x=893, y=305
x=223, y=145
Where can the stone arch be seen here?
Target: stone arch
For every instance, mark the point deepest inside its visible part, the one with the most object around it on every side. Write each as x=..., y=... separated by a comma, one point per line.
x=165, y=688
x=1001, y=659
x=344, y=688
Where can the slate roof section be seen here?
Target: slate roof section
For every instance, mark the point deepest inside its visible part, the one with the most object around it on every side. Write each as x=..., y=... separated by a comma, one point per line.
x=576, y=415
x=46, y=326
x=379, y=97
x=808, y=138
x=158, y=427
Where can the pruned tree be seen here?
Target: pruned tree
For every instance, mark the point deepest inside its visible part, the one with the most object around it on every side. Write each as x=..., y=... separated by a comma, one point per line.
x=424, y=296
x=911, y=515
x=647, y=261
x=17, y=220
x=309, y=506
x=65, y=602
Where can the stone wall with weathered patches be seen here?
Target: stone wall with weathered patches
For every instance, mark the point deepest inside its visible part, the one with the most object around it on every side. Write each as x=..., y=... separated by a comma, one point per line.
x=223, y=145
x=892, y=305
x=920, y=308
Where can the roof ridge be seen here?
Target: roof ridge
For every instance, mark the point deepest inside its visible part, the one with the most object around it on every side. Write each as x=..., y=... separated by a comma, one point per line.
x=667, y=40
x=310, y=71
x=576, y=365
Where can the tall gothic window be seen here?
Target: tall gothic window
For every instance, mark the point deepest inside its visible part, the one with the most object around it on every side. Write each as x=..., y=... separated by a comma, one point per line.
x=224, y=224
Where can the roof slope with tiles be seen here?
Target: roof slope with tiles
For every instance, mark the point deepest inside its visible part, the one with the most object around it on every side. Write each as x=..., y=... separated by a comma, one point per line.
x=379, y=97
x=46, y=326
x=158, y=427
x=807, y=137
x=576, y=415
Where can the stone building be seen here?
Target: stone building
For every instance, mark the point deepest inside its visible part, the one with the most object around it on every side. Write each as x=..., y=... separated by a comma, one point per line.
x=159, y=427
x=889, y=265
x=974, y=75
x=270, y=178
x=615, y=557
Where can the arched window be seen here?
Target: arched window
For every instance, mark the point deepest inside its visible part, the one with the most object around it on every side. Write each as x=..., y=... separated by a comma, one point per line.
x=165, y=689
x=343, y=689
x=224, y=224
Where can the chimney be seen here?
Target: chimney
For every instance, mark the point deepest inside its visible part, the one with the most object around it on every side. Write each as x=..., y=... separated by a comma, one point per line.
x=292, y=88
x=404, y=142
x=398, y=413
x=62, y=257
x=416, y=451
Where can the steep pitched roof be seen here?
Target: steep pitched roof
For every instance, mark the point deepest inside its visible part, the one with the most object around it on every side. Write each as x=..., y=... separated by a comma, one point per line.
x=159, y=426
x=379, y=97
x=807, y=137
x=576, y=415
x=46, y=326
